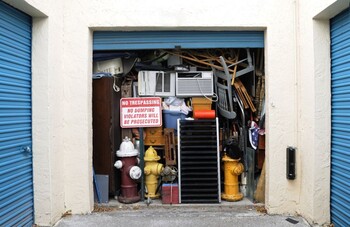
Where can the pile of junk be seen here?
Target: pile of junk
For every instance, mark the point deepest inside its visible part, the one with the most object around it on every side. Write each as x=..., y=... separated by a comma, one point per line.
x=211, y=143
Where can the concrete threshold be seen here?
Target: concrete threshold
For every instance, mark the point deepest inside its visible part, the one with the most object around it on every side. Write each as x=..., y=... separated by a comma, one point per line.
x=242, y=213
x=158, y=203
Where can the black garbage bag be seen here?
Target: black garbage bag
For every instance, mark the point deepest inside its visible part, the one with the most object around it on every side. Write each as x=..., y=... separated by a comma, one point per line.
x=232, y=149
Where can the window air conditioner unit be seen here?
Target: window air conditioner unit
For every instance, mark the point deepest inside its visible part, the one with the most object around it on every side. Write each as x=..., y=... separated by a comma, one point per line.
x=198, y=83
x=156, y=83
x=112, y=66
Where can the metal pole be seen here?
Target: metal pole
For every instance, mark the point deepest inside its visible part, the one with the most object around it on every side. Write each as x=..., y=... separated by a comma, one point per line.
x=142, y=164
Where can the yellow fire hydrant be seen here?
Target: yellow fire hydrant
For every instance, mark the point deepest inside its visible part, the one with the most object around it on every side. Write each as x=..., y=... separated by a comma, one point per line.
x=232, y=169
x=152, y=171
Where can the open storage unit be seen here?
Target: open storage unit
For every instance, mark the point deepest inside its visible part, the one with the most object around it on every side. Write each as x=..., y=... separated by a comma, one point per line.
x=213, y=79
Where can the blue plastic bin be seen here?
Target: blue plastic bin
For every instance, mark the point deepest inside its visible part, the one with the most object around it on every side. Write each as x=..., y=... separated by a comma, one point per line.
x=170, y=118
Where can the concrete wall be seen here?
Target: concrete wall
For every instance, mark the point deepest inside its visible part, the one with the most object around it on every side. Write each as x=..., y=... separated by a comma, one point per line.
x=297, y=91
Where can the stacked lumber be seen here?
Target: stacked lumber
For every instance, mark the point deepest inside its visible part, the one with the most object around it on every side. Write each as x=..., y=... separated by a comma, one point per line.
x=244, y=95
x=209, y=59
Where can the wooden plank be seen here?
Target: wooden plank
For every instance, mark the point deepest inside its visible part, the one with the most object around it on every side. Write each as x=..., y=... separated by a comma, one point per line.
x=259, y=195
x=240, y=95
x=199, y=61
x=261, y=96
x=234, y=75
x=170, y=147
x=235, y=70
x=246, y=95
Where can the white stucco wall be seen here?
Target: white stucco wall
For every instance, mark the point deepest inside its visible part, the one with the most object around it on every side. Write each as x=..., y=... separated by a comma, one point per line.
x=297, y=91
x=315, y=106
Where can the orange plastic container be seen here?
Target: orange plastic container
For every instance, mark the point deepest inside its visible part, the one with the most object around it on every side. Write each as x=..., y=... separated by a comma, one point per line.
x=204, y=114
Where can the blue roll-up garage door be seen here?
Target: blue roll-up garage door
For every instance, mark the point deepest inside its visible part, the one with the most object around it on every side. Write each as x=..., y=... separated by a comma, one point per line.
x=16, y=177
x=104, y=40
x=340, y=148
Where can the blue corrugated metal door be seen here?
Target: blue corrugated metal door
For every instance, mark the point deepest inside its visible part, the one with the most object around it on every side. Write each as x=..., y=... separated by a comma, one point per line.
x=134, y=40
x=16, y=178
x=340, y=148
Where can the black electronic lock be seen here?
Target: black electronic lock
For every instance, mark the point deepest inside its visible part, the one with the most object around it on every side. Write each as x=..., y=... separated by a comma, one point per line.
x=291, y=163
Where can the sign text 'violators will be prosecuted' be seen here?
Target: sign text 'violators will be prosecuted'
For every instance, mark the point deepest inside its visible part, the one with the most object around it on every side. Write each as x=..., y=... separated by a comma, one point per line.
x=140, y=112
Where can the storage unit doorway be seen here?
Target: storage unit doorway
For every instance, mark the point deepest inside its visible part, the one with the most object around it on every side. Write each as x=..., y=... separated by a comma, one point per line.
x=180, y=62
x=16, y=171
x=340, y=134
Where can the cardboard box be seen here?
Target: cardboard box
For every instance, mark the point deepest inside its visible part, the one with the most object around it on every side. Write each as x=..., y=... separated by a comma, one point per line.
x=201, y=103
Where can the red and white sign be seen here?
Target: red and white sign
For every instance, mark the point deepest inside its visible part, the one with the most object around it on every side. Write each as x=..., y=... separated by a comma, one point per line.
x=140, y=112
